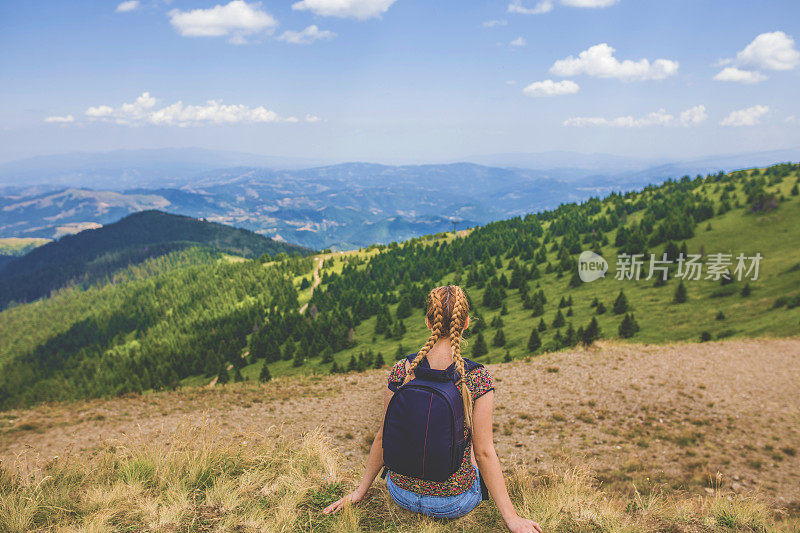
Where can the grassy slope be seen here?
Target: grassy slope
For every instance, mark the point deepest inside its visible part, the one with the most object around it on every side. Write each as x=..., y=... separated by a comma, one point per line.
x=19, y=245
x=774, y=235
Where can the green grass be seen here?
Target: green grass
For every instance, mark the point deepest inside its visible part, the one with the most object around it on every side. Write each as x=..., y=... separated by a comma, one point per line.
x=20, y=245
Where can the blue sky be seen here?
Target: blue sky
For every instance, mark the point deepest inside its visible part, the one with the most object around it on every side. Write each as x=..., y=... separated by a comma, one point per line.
x=403, y=80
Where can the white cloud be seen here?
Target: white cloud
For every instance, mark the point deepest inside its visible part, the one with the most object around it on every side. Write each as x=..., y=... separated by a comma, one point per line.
x=740, y=76
x=494, y=23
x=312, y=118
x=130, y=5
x=689, y=117
x=770, y=51
x=237, y=19
x=544, y=6
x=791, y=119
x=357, y=9
x=306, y=36
x=746, y=117
x=551, y=88
x=518, y=42
x=60, y=120
x=694, y=115
x=144, y=111
x=589, y=3
x=599, y=61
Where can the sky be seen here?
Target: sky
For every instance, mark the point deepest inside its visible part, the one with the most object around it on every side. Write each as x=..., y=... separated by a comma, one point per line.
x=400, y=80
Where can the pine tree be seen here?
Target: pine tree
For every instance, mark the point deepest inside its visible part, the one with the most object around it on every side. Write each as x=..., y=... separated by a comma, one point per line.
x=534, y=342
x=680, y=294
x=265, y=375
x=237, y=376
x=507, y=357
x=601, y=309
x=621, y=304
x=570, y=336
x=327, y=355
x=591, y=333
x=404, y=307
x=504, y=309
x=542, y=325
x=479, y=348
x=628, y=327
x=499, y=338
x=795, y=191
x=558, y=321
x=379, y=362
x=400, y=353
x=222, y=374
x=352, y=364
x=335, y=368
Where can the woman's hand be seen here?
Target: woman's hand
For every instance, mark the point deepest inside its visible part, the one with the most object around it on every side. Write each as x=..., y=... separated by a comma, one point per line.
x=518, y=524
x=353, y=497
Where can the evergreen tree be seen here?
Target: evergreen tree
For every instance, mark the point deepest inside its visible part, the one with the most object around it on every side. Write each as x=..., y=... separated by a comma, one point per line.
x=335, y=368
x=327, y=355
x=222, y=374
x=379, y=362
x=352, y=364
x=237, y=376
x=558, y=321
x=499, y=338
x=795, y=191
x=570, y=336
x=542, y=325
x=621, y=304
x=680, y=294
x=298, y=359
x=497, y=322
x=265, y=375
x=601, y=309
x=400, y=353
x=504, y=309
x=479, y=348
x=628, y=327
x=534, y=342
x=591, y=333
x=404, y=307
x=507, y=357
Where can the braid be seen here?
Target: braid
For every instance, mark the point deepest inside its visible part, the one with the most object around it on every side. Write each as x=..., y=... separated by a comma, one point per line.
x=460, y=307
x=434, y=305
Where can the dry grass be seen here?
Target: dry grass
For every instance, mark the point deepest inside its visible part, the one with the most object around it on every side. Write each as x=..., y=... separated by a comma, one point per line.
x=195, y=480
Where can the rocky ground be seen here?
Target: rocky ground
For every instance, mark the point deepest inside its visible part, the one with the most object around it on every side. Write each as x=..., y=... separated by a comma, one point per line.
x=683, y=416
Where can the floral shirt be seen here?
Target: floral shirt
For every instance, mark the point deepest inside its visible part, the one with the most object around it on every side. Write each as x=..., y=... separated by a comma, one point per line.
x=479, y=382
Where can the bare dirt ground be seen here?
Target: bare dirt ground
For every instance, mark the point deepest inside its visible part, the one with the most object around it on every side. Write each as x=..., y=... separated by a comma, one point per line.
x=641, y=415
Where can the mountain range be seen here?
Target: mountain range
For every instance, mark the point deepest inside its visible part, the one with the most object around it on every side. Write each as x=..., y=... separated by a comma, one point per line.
x=341, y=206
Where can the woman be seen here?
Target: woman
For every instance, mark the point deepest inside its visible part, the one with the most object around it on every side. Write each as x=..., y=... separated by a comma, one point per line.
x=447, y=318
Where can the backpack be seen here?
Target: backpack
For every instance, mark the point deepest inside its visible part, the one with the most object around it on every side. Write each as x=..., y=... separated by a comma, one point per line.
x=423, y=432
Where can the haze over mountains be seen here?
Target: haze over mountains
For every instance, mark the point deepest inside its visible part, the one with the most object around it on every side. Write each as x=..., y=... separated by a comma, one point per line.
x=341, y=206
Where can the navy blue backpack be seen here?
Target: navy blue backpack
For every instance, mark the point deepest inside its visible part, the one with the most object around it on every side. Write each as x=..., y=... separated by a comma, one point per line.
x=423, y=432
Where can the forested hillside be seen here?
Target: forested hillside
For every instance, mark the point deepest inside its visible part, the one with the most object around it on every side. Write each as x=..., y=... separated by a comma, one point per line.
x=96, y=254
x=192, y=320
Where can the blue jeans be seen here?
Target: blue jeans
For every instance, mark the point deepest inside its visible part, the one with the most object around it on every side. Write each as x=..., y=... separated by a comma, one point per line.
x=437, y=506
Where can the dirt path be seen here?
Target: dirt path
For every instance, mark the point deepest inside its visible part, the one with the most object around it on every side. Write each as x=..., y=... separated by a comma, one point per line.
x=665, y=415
x=316, y=281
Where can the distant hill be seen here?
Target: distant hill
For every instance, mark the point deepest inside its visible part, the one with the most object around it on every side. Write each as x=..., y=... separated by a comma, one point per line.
x=122, y=169
x=96, y=253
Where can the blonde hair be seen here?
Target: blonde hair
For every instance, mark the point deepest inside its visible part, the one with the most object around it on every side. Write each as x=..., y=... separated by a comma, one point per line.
x=447, y=310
